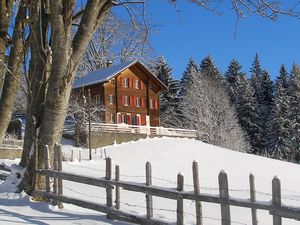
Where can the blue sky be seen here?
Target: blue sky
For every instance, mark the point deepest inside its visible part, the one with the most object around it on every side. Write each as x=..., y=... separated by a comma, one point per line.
x=197, y=33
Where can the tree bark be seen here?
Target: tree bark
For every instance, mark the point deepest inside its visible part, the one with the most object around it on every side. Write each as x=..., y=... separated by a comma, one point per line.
x=5, y=15
x=13, y=72
x=45, y=126
x=38, y=74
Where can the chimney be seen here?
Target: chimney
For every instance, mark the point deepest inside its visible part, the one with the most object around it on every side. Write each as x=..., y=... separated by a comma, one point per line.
x=109, y=63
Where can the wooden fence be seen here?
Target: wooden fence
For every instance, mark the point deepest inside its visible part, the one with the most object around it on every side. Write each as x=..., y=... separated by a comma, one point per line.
x=132, y=129
x=12, y=143
x=113, y=211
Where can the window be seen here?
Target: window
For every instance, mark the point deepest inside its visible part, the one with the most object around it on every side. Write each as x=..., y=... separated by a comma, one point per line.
x=126, y=82
x=126, y=100
x=133, y=120
x=111, y=99
x=112, y=118
x=112, y=81
x=151, y=103
x=137, y=84
x=123, y=118
x=97, y=99
x=138, y=102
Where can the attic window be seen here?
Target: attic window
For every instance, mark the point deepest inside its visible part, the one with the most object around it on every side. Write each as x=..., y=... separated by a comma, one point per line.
x=112, y=81
x=126, y=82
x=137, y=84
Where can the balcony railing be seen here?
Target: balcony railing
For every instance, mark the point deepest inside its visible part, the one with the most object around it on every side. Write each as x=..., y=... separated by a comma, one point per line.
x=132, y=129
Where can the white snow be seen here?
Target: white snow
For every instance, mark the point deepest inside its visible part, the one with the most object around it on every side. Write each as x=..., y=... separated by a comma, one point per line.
x=168, y=157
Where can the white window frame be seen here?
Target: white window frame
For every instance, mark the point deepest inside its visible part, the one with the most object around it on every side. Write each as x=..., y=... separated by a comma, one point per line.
x=123, y=118
x=126, y=100
x=112, y=118
x=111, y=99
x=126, y=82
x=138, y=102
x=151, y=103
x=138, y=84
x=97, y=99
x=138, y=119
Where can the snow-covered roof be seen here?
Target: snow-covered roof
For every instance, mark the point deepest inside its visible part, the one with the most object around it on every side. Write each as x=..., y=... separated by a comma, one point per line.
x=100, y=76
x=105, y=74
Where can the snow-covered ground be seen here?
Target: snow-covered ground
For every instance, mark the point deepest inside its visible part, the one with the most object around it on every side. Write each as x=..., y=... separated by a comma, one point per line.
x=168, y=157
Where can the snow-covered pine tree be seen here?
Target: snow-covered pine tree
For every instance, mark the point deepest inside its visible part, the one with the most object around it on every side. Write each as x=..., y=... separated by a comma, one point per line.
x=294, y=92
x=168, y=98
x=260, y=83
x=233, y=76
x=206, y=107
x=246, y=112
x=186, y=80
x=267, y=112
x=283, y=148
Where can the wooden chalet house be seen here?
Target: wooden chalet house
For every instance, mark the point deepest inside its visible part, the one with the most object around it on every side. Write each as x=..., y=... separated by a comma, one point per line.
x=129, y=92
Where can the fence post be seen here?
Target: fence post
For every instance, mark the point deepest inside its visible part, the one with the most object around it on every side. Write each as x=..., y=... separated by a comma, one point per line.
x=199, y=219
x=47, y=166
x=59, y=168
x=108, y=187
x=117, y=187
x=79, y=158
x=72, y=155
x=149, y=202
x=55, y=167
x=276, y=198
x=253, y=199
x=180, y=182
x=224, y=196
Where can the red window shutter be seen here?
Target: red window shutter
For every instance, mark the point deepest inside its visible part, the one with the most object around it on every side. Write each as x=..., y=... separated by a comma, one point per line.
x=137, y=120
x=122, y=82
x=123, y=100
x=132, y=82
x=134, y=101
x=128, y=120
x=143, y=119
x=129, y=82
x=131, y=101
x=156, y=104
x=119, y=118
x=143, y=102
x=142, y=85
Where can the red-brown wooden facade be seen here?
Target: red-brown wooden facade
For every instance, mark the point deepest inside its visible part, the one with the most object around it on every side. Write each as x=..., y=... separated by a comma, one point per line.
x=130, y=97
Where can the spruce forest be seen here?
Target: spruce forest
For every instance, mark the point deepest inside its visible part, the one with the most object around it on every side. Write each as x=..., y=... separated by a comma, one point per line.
x=244, y=112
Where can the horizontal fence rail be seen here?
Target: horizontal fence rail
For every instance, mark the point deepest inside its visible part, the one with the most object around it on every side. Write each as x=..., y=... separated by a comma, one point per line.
x=114, y=186
x=157, y=131
x=12, y=143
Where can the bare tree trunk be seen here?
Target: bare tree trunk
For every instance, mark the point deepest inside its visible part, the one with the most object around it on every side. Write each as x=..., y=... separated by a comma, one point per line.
x=38, y=75
x=66, y=56
x=12, y=77
x=5, y=15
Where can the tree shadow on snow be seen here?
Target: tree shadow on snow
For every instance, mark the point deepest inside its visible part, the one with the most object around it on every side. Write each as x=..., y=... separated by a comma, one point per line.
x=24, y=211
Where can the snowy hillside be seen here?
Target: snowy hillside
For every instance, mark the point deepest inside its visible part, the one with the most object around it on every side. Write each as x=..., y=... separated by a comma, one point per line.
x=168, y=157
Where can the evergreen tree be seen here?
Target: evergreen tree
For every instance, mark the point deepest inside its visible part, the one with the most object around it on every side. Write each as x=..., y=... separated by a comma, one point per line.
x=191, y=69
x=205, y=107
x=247, y=113
x=233, y=76
x=168, y=98
x=283, y=129
x=267, y=113
x=209, y=70
x=256, y=84
x=294, y=92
